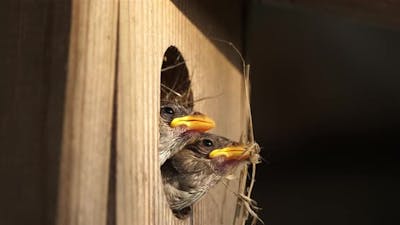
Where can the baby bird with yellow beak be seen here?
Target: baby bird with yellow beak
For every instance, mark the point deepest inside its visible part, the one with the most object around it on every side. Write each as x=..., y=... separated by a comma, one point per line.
x=191, y=172
x=179, y=125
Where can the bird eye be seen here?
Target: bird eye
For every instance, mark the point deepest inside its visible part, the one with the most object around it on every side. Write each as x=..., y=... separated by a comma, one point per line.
x=168, y=110
x=208, y=142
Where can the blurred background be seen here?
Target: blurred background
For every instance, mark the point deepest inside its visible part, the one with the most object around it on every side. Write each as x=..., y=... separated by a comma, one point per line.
x=326, y=106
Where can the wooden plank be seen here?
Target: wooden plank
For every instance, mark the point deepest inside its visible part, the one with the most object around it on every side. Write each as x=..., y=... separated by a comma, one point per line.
x=22, y=112
x=57, y=42
x=147, y=29
x=88, y=113
x=34, y=45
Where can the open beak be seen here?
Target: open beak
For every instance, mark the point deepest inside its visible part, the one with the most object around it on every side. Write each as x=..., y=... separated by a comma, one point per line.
x=232, y=152
x=198, y=122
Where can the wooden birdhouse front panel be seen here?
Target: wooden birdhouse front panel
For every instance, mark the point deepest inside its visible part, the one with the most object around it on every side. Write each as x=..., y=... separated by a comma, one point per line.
x=80, y=106
x=147, y=30
x=81, y=98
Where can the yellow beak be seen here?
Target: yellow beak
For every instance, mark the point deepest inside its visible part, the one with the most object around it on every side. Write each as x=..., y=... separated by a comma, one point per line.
x=232, y=152
x=194, y=122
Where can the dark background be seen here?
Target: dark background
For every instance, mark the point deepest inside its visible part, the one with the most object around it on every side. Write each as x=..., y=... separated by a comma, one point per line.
x=326, y=106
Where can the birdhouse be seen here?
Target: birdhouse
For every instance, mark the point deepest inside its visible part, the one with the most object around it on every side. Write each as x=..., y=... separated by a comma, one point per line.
x=80, y=89
x=80, y=125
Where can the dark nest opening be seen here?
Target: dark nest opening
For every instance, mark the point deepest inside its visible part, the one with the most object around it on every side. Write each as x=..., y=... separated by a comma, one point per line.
x=175, y=82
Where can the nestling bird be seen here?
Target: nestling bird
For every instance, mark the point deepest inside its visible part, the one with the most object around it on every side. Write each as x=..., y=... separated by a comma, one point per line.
x=191, y=172
x=178, y=126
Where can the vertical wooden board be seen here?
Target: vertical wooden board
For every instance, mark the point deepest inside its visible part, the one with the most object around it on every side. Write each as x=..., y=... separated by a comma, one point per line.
x=34, y=45
x=146, y=30
x=22, y=111
x=57, y=42
x=88, y=113
x=219, y=78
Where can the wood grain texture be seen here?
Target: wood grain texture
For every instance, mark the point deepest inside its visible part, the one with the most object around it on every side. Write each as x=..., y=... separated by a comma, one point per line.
x=88, y=113
x=34, y=49
x=146, y=30
x=39, y=121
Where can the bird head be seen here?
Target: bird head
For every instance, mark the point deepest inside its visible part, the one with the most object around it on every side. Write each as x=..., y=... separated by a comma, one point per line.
x=211, y=154
x=179, y=125
x=176, y=115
